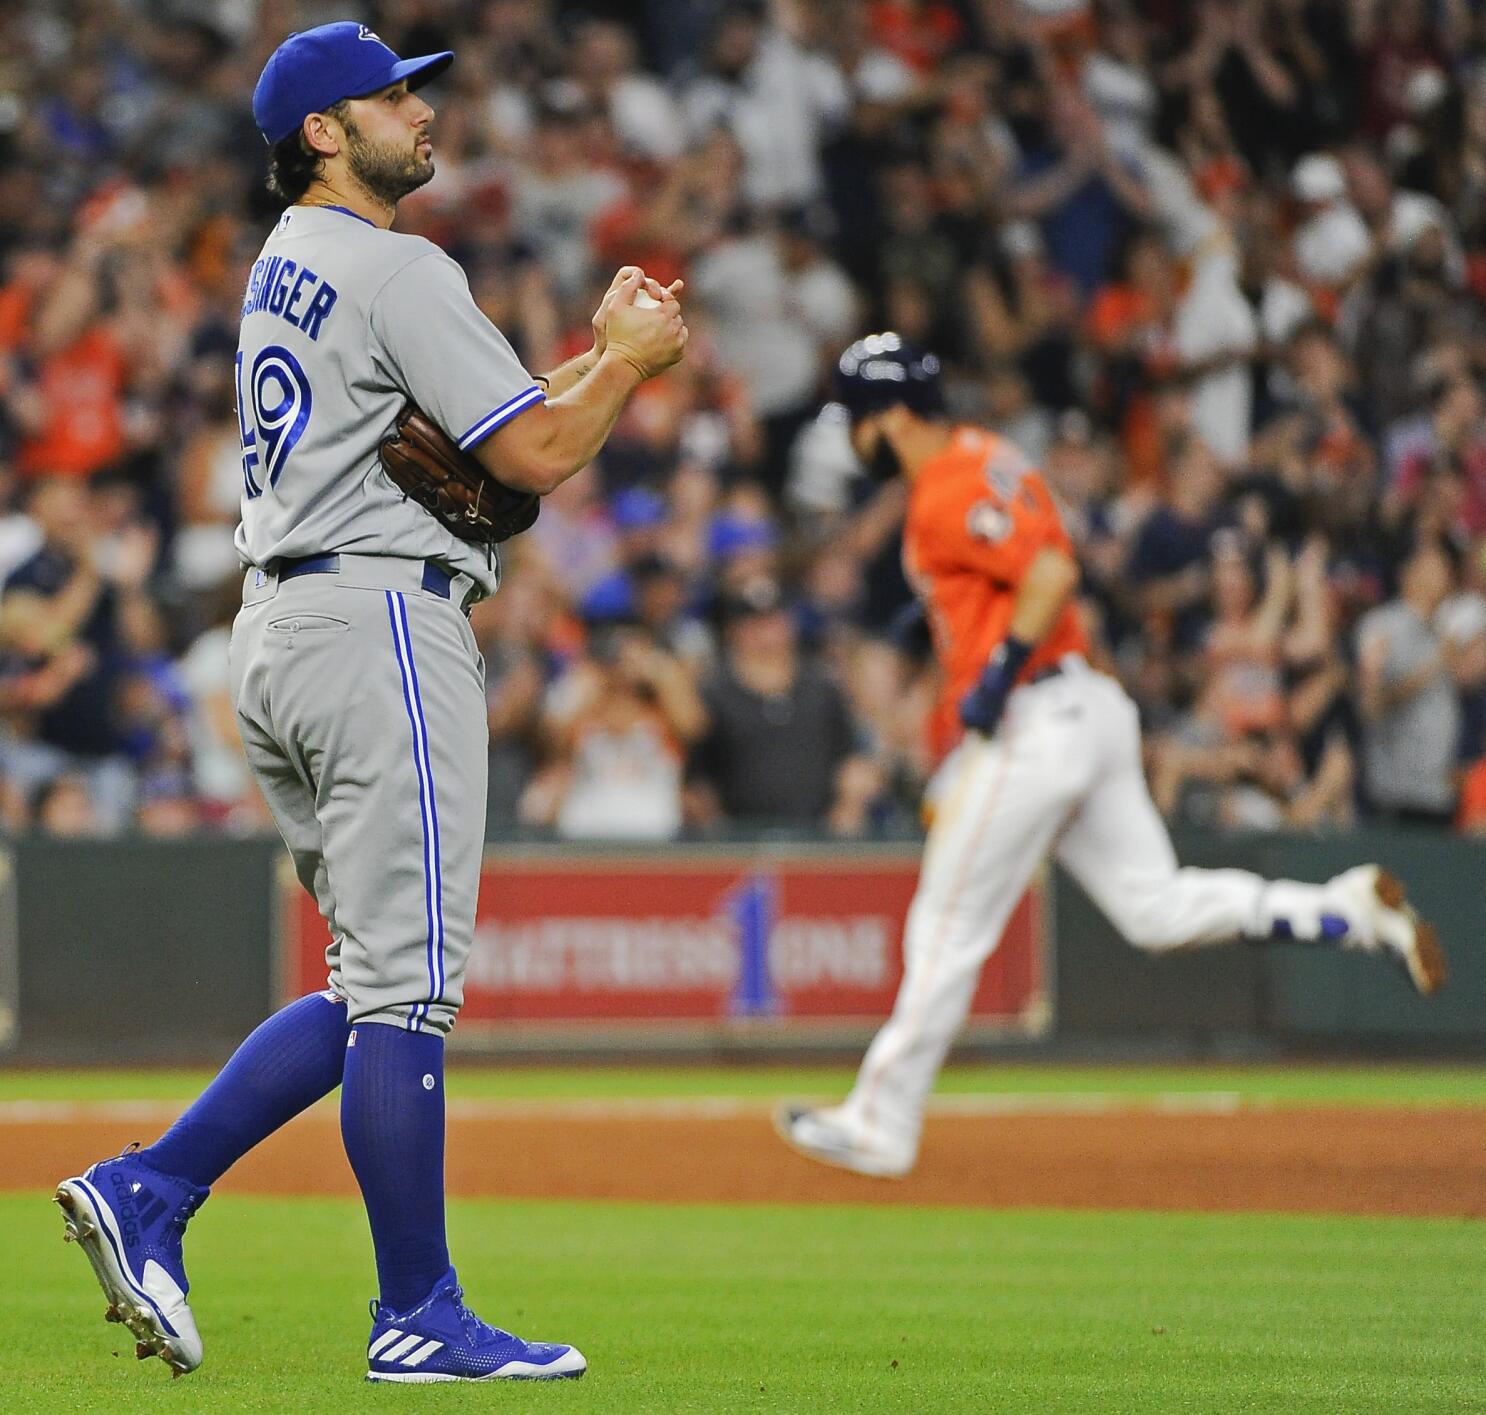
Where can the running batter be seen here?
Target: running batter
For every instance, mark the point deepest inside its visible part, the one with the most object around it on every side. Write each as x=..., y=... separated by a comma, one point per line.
x=1047, y=759
x=360, y=692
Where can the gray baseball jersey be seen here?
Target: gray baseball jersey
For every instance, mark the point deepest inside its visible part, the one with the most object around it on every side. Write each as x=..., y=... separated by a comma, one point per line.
x=342, y=324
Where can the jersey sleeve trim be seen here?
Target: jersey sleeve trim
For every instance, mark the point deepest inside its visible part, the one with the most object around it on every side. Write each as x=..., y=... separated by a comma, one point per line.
x=501, y=415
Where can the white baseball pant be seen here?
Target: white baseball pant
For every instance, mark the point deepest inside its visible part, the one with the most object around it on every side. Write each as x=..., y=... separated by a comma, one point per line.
x=1063, y=772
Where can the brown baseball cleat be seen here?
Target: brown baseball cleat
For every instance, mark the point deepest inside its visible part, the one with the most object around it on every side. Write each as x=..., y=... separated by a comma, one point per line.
x=1381, y=920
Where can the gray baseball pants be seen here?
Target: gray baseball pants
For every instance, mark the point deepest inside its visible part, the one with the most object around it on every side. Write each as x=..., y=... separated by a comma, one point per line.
x=360, y=697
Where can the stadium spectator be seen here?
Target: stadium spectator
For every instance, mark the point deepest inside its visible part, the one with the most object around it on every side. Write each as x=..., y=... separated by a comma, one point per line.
x=1407, y=696
x=1169, y=570
x=641, y=111
x=561, y=188
x=662, y=611
x=66, y=610
x=67, y=398
x=1319, y=707
x=1267, y=282
x=519, y=633
x=779, y=736
x=1247, y=62
x=620, y=721
x=753, y=301
x=1080, y=189
x=1462, y=623
x=63, y=807
x=1131, y=326
x=1333, y=243
x=221, y=782
x=1446, y=457
x=1220, y=267
x=1241, y=649
x=779, y=100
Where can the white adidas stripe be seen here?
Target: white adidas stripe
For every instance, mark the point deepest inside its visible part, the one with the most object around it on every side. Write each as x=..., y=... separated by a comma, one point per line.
x=418, y=1357
x=386, y=1337
x=402, y=1347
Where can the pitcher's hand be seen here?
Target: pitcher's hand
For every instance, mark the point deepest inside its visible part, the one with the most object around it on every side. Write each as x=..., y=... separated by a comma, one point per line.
x=652, y=338
x=654, y=288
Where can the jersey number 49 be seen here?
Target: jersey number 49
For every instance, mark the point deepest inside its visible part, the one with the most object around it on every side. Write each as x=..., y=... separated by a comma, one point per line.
x=272, y=414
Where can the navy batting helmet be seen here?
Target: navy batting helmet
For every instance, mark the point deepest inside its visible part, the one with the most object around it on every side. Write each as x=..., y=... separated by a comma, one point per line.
x=883, y=370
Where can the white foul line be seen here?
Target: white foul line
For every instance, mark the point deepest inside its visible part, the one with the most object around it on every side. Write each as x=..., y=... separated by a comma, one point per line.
x=987, y=1106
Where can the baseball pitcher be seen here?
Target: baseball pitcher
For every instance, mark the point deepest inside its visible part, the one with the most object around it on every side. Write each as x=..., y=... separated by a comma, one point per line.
x=390, y=439
x=1049, y=760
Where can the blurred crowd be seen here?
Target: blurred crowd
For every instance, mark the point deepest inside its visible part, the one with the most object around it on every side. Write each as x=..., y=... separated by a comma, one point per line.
x=1216, y=266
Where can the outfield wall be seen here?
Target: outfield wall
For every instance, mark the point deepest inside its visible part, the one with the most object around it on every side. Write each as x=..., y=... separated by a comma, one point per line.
x=153, y=951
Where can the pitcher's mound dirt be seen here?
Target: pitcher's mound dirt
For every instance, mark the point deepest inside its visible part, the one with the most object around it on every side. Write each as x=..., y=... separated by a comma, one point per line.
x=1417, y=1162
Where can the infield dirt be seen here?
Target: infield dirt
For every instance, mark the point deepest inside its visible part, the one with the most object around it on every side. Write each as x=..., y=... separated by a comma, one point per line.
x=1420, y=1162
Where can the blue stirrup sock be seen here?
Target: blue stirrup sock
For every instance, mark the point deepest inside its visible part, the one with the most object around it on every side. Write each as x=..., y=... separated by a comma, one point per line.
x=286, y=1065
x=392, y=1122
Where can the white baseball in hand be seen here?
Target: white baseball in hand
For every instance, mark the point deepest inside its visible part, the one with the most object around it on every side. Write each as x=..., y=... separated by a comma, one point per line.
x=644, y=300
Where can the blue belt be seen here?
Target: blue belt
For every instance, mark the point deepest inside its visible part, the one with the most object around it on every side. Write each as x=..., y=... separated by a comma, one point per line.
x=436, y=579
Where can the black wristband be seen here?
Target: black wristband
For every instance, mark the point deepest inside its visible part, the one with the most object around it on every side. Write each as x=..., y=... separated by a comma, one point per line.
x=1011, y=655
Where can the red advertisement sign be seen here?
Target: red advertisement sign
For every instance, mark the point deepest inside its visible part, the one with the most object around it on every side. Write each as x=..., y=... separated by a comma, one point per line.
x=581, y=947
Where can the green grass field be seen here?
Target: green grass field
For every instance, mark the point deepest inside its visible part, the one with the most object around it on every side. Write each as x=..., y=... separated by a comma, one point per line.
x=697, y=1308
x=814, y=1309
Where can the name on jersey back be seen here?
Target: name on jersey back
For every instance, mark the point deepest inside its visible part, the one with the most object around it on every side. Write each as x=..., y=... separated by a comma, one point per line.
x=283, y=287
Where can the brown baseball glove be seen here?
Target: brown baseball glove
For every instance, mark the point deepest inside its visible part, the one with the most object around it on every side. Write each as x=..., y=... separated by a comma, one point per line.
x=451, y=485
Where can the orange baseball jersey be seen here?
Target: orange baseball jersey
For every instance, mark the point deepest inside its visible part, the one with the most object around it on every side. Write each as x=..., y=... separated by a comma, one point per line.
x=977, y=515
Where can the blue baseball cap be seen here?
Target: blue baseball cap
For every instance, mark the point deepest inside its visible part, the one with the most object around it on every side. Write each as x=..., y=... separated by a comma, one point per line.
x=728, y=536
x=637, y=508
x=318, y=67
x=611, y=598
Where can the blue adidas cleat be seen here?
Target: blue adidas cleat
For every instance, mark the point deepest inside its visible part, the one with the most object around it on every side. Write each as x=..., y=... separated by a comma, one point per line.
x=442, y=1340
x=128, y=1219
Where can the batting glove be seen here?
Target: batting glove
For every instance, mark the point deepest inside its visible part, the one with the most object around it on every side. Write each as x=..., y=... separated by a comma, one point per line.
x=982, y=706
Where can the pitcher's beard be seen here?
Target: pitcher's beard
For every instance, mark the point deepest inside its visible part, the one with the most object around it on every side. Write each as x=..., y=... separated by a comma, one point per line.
x=385, y=173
